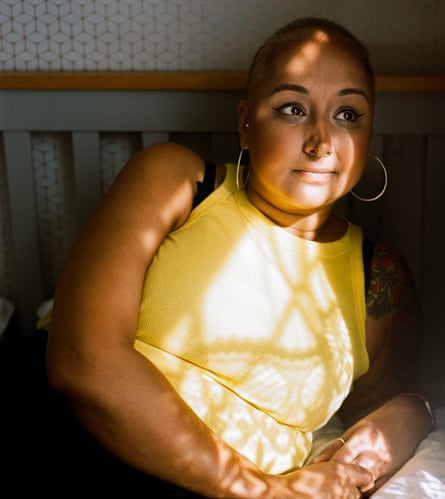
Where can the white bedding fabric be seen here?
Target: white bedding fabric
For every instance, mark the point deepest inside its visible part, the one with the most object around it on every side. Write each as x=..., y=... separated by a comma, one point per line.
x=423, y=476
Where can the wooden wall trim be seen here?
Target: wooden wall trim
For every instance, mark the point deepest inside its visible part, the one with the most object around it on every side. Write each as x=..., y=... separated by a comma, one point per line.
x=131, y=80
x=186, y=80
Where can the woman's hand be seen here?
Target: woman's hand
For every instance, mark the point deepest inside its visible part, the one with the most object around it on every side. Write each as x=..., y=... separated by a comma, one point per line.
x=378, y=441
x=385, y=430
x=328, y=480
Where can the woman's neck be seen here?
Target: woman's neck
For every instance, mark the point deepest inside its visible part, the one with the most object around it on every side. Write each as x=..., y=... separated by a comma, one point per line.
x=319, y=226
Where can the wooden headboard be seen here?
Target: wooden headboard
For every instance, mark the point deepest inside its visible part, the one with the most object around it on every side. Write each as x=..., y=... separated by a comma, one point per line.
x=64, y=136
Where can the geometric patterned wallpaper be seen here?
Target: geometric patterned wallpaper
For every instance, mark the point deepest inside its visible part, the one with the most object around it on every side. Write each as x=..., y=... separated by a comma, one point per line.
x=54, y=193
x=116, y=150
x=127, y=35
x=54, y=189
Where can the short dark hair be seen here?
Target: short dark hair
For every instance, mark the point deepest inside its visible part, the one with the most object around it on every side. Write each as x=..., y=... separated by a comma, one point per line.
x=298, y=32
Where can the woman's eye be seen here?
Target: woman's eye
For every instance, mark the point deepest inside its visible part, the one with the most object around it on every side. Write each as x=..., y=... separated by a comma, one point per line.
x=347, y=115
x=291, y=110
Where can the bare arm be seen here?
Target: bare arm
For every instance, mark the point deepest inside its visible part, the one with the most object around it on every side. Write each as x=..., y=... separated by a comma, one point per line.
x=118, y=395
x=385, y=424
x=393, y=334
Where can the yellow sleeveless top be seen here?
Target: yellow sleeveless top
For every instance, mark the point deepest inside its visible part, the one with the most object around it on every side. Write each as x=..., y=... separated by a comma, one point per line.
x=262, y=333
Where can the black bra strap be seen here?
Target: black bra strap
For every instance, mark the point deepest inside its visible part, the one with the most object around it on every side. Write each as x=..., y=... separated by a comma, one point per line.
x=207, y=186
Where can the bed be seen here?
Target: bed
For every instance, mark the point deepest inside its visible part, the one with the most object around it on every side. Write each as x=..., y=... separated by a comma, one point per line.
x=424, y=474
x=65, y=136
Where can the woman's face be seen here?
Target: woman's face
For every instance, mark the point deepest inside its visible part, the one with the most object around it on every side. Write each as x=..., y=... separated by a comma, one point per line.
x=310, y=125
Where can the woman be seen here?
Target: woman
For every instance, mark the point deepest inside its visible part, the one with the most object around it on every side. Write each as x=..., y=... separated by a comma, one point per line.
x=203, y=346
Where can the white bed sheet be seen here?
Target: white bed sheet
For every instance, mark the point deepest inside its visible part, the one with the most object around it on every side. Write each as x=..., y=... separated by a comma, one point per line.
x=423, y=476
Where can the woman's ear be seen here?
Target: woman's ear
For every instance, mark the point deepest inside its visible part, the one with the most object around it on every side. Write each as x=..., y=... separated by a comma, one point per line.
x=243, y=124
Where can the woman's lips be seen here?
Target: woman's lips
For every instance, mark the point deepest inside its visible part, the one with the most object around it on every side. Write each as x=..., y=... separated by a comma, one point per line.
x=315, y=175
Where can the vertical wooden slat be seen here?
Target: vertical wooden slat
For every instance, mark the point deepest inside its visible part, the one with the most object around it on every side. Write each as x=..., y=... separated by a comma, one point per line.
x=86, y=159
x=200, y=142
x=433, y=272
x=150, y=138
x=19, y=171
x=402, y=216
x=225, y=147
x=7, y=278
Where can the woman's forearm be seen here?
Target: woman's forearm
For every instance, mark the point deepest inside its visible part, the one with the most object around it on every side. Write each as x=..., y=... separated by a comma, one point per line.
x=138, y=416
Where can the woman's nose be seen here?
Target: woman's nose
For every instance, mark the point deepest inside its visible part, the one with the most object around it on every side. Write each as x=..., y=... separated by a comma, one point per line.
x=318, y=143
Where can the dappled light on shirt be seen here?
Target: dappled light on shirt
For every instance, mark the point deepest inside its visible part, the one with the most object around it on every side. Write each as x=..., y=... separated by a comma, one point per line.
x=258, y=344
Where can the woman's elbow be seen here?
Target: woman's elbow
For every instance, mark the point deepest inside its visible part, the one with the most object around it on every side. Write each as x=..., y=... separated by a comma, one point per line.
x=65, y=368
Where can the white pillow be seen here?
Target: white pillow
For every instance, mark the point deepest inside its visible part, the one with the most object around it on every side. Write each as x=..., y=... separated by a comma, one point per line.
x=423, y=476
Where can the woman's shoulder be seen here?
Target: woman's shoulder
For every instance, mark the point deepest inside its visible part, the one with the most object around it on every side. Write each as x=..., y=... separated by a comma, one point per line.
x=391, y=283
x=386, y=255
x=167, y=158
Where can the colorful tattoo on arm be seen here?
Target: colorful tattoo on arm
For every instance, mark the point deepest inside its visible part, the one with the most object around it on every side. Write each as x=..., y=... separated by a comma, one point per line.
x=392, y=293
x=391, y=286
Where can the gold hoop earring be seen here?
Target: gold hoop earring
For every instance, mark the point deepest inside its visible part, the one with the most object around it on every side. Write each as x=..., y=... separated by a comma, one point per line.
x=239, y=172
x=385, y=182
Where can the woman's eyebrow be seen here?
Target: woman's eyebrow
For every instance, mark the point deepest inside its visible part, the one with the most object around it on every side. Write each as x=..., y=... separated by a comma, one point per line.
x=303, y=90
x=349, y=91
x=289, y=86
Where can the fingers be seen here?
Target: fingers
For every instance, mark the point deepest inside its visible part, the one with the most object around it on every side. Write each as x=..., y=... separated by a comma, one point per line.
x=367, y=461
x=341, y=440
x=333, y=479
x=348, y=451
x=362, y=477
x=329, y=450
